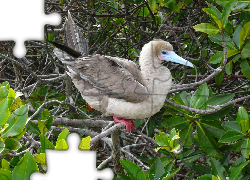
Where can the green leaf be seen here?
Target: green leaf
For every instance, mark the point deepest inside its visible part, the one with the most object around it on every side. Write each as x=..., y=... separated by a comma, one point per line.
x=232, y=125
x=216, y=58
x=205, y=177
x=152, y=5
x=63, y=135
x=229, y=68
x=122, y=177
x=45, y=143
x=42, y=127
x=156, y=170
x=213, y=127
x=236, y=35
x=5, y=164
x=217, y=169
x=219, y=114
x=11, y=96
x=219, y=78
x=5, y=174
x=168, y=175
x=228, y=41
x=245, y=68
x=245, y=53
x=242, y=115
x=48, y=122
x=184, y=97
x=200, y=96
x=227, y=10
x=206, y=28
x=40, y=158
x=215, y=10
x=85, y=143
x=230, y=136
x=61, y=145
x=12, y=144
x=236, y=170
x=3, y=92
x=186, y=136
x=213, y=15
x=219, y=99
x=133, y=170
x=26, y=167
x=244, y=33
x=245, y=148
x=4, y=112
x=2, y=146
x=176, y=121
x=207, y=143
x=16, y=121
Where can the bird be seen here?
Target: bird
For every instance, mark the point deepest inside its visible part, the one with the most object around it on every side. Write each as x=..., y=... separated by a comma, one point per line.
x=116, y=86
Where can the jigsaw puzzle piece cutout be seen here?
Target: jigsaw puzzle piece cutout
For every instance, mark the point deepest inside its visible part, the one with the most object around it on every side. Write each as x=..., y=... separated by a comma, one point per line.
x=24, y=20
x=72, y=164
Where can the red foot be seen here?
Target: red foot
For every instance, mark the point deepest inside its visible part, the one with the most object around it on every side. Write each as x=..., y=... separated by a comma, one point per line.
x=128, y=123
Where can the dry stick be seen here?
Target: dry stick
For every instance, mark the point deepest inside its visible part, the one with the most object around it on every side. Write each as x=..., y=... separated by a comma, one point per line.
x=215, y=108
x=116, y=152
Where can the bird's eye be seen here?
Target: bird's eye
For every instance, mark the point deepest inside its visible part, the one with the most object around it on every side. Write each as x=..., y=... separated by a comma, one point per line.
x=164, y=52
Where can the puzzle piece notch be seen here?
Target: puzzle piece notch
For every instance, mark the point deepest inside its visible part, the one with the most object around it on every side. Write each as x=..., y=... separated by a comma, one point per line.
x=80, y=164
x=27, y=20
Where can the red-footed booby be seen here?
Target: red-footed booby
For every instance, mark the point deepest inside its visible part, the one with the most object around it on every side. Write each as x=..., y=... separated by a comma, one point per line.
x=115, y=86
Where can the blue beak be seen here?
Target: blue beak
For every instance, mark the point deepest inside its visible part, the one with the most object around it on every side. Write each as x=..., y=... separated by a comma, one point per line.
x=173, y=57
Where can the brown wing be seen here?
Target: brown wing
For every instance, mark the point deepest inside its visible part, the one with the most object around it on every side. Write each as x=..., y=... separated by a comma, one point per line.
x=110, y=78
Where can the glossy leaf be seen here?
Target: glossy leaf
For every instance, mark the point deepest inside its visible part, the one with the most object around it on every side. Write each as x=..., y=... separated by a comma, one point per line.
x=2, y=146
x=213, y=127
x=217, y=169
x=40, y=158
x=216, y=58
x=186, y=136
x=206, y=28
x=184, y=97
x=245, y=31
x=16, y=121
x=61, y=145
x=5, y=174
x=236, y=35
x=176, y=121
x=219, y=78
x=236, y=170
x=42, y=127
x=245, y=148
x=12, y=144
x=219, y=114
x=4, y=111
x=219, y=99
x=45, y=143
x=200, y=96
x=63, y=135
x=230, y=136
x=26, y=167
x=217, y=39
x=85, y=143
x=245, y=68
x=213, y=15
x=227, y=10
x=133, y=170
x=245, y=53
x=168, y=175
x=5, y=164
x=207, y=143
x=242, y=115
x=229, y=68
x=232, y=125
x=156, y=170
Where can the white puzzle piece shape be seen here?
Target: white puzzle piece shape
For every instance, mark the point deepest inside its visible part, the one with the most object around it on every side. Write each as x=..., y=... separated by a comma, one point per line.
x=72, y=164
x=24, y=20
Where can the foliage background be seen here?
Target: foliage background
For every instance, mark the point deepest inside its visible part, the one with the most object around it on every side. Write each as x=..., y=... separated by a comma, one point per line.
x=202, y=132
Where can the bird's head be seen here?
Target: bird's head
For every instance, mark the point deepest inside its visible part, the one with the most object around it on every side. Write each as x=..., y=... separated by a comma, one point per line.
x=163, y=51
